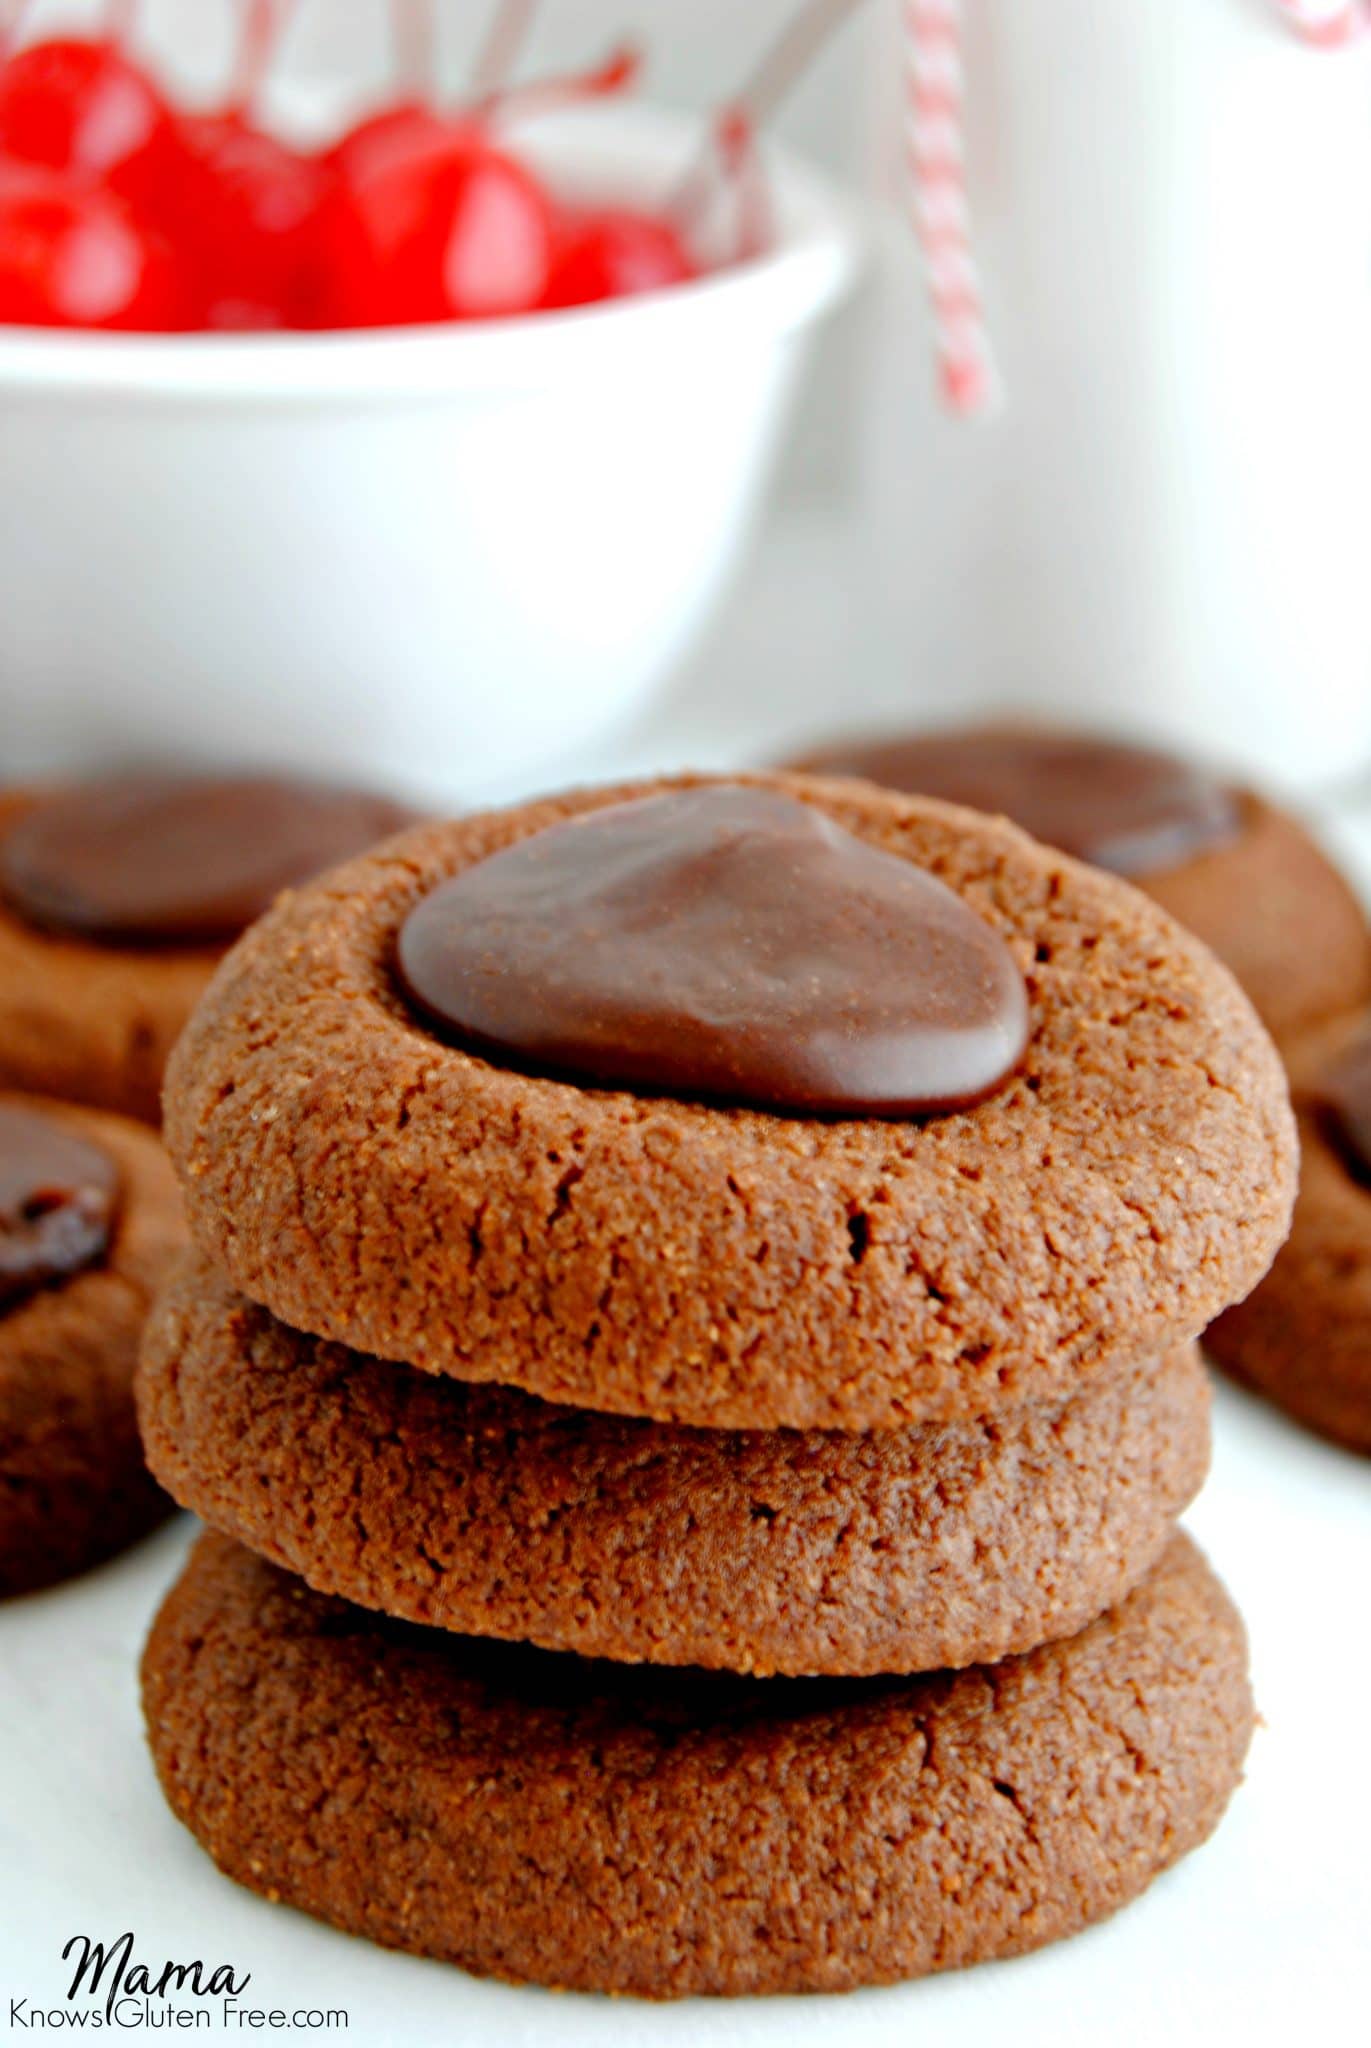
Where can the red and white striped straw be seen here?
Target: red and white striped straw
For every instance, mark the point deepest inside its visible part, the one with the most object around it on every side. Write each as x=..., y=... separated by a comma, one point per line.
x=942, y=214
x=937, y=162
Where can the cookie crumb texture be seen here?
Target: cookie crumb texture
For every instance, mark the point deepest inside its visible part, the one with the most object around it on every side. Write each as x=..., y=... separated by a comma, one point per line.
x=74, y=1488
x=546, y=1820
x=724, y=1267
x=487, y=1511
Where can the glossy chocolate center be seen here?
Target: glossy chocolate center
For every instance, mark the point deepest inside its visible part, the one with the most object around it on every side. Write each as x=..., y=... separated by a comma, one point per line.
x=57, y=1201
x=156, y=860
x=1134, y=810
x=722, y=942
x=1342, y=1099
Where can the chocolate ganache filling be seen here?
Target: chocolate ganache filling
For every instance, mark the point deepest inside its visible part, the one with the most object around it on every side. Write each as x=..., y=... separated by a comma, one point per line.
x=724, y=942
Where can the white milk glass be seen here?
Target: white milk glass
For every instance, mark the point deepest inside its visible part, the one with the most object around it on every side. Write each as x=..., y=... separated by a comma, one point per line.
x=1168, y=524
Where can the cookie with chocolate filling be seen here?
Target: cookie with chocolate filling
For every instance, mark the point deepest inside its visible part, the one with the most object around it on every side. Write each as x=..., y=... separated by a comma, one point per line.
x=547, y=1819
x=772, y=1103
x=1244, y=875
x=90, y=1223
x=117, y=899
x=1304, y=1337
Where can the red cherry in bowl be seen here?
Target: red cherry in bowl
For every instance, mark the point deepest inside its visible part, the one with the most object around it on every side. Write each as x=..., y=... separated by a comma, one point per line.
x=72, y=255
x=433, y=226
x=616, y=253
x=240, y=216
x=82, y=106
x=405, y=126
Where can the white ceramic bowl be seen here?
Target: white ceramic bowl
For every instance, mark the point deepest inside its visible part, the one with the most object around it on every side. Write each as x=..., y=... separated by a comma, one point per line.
x=428, y=556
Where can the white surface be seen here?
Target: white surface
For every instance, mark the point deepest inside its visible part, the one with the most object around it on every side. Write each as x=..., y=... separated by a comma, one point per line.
x=1173, y=211
x=382, y=556
x=1260, y=1936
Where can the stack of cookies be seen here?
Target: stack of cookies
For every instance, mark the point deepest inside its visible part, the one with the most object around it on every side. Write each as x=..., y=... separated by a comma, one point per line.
x=688, y=1362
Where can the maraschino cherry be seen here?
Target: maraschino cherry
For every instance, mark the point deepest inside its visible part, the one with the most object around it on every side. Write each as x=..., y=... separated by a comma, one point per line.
x=432, y=226
x=412, y=117
x=119, y=210
x=83, y=107
x=615, y=253
x=240, y=217
x=72, y=255
x=241, y=210
x=430, y=219
x=386, y=136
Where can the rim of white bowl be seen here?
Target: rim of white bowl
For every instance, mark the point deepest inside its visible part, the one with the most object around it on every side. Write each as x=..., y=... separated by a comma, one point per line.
x=815, y=259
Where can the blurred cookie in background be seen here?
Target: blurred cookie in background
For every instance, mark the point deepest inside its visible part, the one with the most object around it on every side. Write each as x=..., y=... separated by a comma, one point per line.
x=1244, y=875
x=1304, y=1337
x=90, y=1222
x=118, y=898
